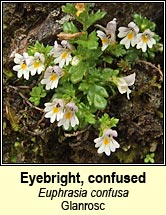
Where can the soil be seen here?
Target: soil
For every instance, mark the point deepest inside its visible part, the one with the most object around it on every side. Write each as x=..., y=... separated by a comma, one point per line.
x=30, y=138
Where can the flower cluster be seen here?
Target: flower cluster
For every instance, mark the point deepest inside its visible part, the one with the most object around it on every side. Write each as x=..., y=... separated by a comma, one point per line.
x=74, y=68
x=28, y=64
x=130, y=35
x=63, y=113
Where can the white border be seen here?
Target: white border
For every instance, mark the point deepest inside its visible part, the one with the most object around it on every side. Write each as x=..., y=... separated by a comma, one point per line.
x=26, y=164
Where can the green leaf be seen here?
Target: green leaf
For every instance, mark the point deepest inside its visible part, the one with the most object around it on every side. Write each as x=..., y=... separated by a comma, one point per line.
x=107, y=122
x=93, y=17
x=77, y=72
x=144, y=23
x=90, y=43
x=117, y=50
x=39, y=47
x=96, y=96
x=108, y=59
x=84, y=113
x=69, y=27
x=84, y=86
x=69, y=8
x=100, y=102
x=36, y=94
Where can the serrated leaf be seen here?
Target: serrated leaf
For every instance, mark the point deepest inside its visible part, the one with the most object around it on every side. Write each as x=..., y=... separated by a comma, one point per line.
x=93, y=17
x=100, y=102
x=77, y=72
x=143, y=23
x=117, y=50
x=84, y=86
x=90, y=43
x=96, y=96
x=108, y=59
x=69, y=27
x=69, y=8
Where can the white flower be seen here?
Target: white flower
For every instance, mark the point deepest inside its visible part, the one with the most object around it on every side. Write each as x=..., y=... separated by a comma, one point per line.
x=37, y=63
x=145, y=39
x=124, y=82
x=54, y=110
x=111, y=29
x=22, y=66
x=62, y=53
x=108, y=37
x=106, y=143
x=129, y=34
x=51, y=77
x=69, y=116
x=104, y=39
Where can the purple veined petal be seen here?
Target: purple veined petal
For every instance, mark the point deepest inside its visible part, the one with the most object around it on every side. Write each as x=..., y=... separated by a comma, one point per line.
x=111, y=132
x=39, y=70
x=123, y=31
x=66, y=124
x=61, y=63
x=127, y=44
x=48, y=85
x=111, y=27
x=49, y=114
x=151, y=42
x=17, y=60
x=48, y=108
x=33, y=72
x=18, y=56
x=74, y=121
x=115, y=143
x=57, y=60
x=101, y=34
x=112, y=147
x=61, y=122
x=107, y=150
x=26, y=75
x=133, y=42
x=45, y=80
x=101, y=149
x=53, y=117
x=98, y=142
x=25, y=55
x=16, y=67
x=123, y=41
x=144, y=47
x=19, y=74
x=130, y=79
x=54, y=84
x=68, y=59
x=60, y=115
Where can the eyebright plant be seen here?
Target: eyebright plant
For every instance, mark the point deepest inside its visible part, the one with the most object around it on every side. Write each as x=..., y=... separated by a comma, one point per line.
x=84, y=68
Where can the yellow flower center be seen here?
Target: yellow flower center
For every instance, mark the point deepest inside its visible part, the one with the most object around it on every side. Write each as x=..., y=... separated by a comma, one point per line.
x=23, y=66
x=104, y=40
x=130, y=36
x=36, y=64
x=68, y=115
x=53, y=77
x=106, y=141
x=64, y=55
x=56, y=109
x=144, y=39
